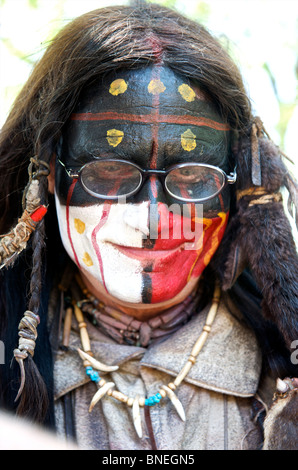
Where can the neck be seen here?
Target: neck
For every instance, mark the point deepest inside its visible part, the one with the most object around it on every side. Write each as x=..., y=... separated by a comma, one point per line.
x=141, y=312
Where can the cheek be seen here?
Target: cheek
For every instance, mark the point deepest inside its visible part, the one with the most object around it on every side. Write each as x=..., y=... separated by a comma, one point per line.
x=91, y=235
x=161, y=258
x=75, y=225
x=171, y=272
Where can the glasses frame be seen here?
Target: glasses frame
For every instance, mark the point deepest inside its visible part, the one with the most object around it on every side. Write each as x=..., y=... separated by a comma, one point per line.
x=162, y=174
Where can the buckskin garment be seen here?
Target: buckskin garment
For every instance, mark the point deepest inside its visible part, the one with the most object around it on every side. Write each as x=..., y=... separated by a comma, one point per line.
x=217, y=395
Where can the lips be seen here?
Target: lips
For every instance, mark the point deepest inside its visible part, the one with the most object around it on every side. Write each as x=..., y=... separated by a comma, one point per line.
x=154, y=254
x=125, y=263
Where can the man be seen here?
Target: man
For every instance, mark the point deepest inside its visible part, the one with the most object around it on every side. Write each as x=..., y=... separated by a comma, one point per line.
x=140, y=125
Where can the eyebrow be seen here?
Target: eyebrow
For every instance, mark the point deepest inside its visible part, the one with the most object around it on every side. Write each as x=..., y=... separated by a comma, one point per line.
x=213, y=153
x=151, y=119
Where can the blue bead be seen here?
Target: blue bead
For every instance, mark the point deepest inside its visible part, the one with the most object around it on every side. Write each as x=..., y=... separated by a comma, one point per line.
x=94, y=377
x=158, y=395
x=92, y=374
x=151, y=401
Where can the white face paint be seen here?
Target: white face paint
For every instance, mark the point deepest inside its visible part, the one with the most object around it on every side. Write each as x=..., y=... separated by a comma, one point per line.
x=153, y=123
x=91, y=236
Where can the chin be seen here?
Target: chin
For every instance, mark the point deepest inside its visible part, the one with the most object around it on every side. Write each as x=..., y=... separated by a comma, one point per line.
x=164, y=297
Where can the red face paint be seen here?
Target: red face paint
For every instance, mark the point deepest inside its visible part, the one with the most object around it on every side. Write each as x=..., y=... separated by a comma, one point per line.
x=171, y=262
x=159, y=126
x=69, y=196
x=103, y=220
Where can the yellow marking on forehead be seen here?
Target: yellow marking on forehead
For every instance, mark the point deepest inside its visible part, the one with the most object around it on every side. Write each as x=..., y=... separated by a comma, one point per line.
x=87, y=259
x=188, y=140
x=186, y=92
x=156, y=87
x=79, y=226
x=118, y=87
x=114, y=137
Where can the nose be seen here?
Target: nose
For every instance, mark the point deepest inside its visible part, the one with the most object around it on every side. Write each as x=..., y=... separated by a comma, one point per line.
x=159, y=202
x=136, y=216
x=152, y=191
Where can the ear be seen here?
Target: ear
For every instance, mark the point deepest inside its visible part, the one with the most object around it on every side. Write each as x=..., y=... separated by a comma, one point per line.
x=51, y=177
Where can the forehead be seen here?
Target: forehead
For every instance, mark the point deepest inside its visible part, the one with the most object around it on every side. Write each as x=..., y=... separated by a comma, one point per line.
x=150, y=114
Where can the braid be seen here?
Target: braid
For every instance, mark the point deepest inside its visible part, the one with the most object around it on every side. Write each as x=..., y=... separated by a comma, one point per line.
x=34, y=399
x=38, y=246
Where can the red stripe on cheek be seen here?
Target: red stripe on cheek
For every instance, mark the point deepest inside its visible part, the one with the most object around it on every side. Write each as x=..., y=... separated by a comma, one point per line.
x=103, y=220
x=69, y=196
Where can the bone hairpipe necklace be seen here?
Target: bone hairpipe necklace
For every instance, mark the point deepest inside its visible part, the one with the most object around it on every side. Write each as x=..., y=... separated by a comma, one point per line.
x=107, y=388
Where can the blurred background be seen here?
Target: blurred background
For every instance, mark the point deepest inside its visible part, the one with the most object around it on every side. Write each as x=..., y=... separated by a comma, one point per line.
x=261, y=36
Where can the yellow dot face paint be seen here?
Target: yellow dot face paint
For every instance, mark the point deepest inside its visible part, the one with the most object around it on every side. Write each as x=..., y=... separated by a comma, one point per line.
x=188, y=140
x=87, y=259
x=156, y=87
x=118, y=87
x=154, y=118
x=186, y=92
x=114, y=137
x=79, y=226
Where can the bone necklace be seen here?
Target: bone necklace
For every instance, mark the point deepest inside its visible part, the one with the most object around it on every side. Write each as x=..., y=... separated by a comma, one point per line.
x=92, y=365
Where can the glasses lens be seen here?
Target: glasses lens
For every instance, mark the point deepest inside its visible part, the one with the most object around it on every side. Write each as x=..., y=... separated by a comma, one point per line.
x=110, y=178
x=192, y=182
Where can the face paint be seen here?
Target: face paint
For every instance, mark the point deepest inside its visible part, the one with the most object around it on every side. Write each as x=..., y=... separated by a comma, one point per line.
x=155, y=119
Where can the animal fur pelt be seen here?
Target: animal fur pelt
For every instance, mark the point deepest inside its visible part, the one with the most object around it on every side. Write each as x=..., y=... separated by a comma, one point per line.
x=259, y=236
x=280, y=426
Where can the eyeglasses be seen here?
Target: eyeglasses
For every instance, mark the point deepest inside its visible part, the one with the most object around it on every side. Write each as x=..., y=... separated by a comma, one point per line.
x=114, y=179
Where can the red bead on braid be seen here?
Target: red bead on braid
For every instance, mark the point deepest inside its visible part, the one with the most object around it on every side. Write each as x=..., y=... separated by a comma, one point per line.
x=38, y=214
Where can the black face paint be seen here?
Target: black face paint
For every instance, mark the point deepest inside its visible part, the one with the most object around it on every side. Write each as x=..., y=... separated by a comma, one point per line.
x=154, y=119
x=151, y=117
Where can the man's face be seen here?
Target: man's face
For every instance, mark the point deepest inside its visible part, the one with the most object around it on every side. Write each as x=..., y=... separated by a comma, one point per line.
x=155, y=119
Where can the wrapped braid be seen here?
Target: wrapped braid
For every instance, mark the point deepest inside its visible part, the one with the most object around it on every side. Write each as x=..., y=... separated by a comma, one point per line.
x=36, y=191
x=14, y=242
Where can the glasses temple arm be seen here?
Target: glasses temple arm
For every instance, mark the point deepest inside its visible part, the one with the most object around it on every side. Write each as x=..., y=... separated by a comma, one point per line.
x=71, y=173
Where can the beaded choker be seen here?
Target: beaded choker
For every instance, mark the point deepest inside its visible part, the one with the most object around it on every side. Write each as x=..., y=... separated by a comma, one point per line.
x=92, y=366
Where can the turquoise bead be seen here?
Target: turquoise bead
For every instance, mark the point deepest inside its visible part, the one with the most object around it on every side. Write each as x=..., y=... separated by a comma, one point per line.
x=151, y=401
x=94, y=376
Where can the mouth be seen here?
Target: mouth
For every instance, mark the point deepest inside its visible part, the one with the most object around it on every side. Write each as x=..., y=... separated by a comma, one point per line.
x=144, y=254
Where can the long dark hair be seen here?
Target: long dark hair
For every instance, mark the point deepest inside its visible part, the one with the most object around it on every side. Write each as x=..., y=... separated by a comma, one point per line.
x=90, y=46
x=87, y=48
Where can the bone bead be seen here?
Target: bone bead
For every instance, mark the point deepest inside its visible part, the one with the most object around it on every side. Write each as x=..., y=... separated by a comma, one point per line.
x=129, y=401
x=83, y=331
x=199, y=344
x=119, y=396
x=182, y=374
x=162, y=392
x=142, y=401
x=67, y=327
